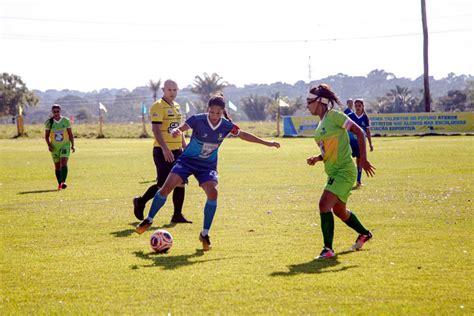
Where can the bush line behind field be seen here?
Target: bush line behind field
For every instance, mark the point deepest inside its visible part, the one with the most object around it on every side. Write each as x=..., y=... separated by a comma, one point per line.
x=124, y=130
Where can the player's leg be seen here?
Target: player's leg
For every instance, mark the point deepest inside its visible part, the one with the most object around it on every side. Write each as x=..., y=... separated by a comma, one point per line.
x=210, y=188
x=326, y=203
x=159, y=200
x=351, y=220
x=57, y=166
x=64, y=154
x=57, y=172
x=139, y=202
x=178, y=197
x=207, y=179
x=356, y=154
x=359, y=171
x=64, y=171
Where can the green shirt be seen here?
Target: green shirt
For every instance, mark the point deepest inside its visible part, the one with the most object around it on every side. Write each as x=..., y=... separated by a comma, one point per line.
x=59, y=135
x=331, y=136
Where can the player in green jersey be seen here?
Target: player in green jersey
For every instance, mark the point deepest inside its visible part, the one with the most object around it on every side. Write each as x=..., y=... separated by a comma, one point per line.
x=333, y=140
x=60, y=141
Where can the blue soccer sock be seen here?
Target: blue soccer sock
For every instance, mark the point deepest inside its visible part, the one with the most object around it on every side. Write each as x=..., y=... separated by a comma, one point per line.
x=359, y=174
x=158, y=202
x=209, y=212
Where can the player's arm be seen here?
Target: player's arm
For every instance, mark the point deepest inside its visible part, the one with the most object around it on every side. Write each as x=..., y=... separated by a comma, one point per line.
x=364, y=163
x=369, y=137
x=71, y=138
x=155, y=127
x=183, y=141
x=314, y=159
x=47, y=133
x=175, y=132
x=255, y=139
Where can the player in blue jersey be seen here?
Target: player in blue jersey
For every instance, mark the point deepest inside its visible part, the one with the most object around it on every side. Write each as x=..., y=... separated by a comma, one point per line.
x=350, y=105
x=362, y=120
x=200, y=159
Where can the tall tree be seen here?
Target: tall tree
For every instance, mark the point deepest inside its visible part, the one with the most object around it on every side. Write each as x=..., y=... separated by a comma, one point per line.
x=154, y=87
x=206, y=86
x=14, y=94
x=255, y=106
x=294, y=105
x=455, y=100
x=426, y=77
x=470, y=95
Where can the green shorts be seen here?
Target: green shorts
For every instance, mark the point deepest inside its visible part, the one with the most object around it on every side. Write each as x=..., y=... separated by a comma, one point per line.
x=341, y=183
x=62, y=151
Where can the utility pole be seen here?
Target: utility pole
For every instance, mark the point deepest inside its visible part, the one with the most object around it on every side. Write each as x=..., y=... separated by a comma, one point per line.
x=426, y=77
x=309, y=71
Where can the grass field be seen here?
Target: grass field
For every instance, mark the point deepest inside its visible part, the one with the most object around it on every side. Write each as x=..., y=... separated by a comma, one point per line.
x=75, y=251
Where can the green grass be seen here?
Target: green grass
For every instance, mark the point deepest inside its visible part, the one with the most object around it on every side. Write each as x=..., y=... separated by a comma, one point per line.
x=75, y=251
x=132, y=130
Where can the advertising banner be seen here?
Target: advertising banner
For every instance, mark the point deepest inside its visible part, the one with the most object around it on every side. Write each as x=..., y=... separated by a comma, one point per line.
x=394, y=124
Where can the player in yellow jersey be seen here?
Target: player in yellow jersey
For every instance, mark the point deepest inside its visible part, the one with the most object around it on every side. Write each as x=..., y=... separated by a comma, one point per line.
x=333, y=140
x=165, y=116
x=60, y=140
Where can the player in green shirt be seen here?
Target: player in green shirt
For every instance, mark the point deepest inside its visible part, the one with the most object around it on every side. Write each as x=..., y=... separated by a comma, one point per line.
x=60, y=141
x=333, y=140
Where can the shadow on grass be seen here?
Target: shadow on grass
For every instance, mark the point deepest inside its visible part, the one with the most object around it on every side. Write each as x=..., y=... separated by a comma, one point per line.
x=37, y=191
x=170, y=262
x=145, y=182
x=315, y=266
x=129, y=232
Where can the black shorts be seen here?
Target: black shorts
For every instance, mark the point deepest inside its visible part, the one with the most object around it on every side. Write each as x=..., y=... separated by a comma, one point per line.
x=163, y=167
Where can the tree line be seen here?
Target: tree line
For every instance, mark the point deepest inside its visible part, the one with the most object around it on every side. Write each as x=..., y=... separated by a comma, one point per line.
x=382, y=91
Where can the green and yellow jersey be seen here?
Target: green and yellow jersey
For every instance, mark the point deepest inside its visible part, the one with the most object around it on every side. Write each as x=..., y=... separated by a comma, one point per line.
x=58, y=131
x=331, y=136
x=169, y=116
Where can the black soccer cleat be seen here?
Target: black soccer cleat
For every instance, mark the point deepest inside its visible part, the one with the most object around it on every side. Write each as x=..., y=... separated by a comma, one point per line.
x=206, y=242
x=138, y=208
x=179, y=219
x=143, y=226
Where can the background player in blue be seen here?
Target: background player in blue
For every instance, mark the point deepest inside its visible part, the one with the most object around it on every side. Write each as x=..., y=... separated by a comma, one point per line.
x=350, y=105
x=200, y=159
x=362, y=120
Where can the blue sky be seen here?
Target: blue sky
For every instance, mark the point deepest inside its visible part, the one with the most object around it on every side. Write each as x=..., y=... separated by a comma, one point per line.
x=88, y=45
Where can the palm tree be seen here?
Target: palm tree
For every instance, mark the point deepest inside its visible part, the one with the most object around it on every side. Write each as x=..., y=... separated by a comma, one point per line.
x=154, y=87
x=207, y=85
x=402, y=99
x=398, y=100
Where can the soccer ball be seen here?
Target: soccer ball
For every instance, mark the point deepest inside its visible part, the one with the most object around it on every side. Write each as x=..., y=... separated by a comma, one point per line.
x=161, y=241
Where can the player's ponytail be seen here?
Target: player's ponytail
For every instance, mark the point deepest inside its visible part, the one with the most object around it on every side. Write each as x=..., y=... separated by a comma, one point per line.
x=227, y=116
x=323, y=94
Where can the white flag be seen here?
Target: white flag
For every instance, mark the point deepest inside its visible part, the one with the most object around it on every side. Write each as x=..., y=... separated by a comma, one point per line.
x=283, y=104
x=232, y=106
x=102, y=107
x=186, y=107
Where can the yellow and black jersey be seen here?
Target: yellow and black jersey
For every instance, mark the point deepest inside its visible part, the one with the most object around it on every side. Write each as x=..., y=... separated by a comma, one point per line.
x=169, y=117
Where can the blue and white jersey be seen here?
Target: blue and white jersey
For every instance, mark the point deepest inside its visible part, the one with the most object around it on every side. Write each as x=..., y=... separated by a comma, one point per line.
x=206, y=139
x=347, y=111
x=362, y=121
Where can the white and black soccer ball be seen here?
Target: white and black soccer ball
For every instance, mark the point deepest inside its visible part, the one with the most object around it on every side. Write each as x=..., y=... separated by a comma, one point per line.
x=161, y=241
